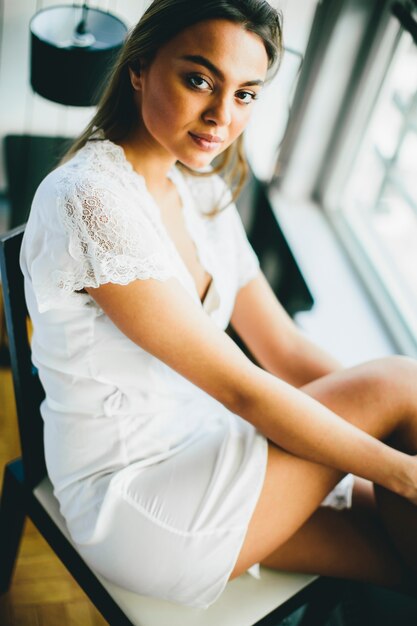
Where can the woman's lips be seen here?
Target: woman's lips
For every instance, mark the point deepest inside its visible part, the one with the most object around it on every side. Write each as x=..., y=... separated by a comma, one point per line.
x=205, y=141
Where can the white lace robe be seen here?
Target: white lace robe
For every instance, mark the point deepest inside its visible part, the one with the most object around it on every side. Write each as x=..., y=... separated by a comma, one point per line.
x=146, y=466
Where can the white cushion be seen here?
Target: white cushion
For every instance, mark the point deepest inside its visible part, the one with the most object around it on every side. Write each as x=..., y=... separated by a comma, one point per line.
x=245, y=600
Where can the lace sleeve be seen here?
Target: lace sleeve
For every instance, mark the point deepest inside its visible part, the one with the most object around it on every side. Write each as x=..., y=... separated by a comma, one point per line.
x=111, y=237
x=84, y=231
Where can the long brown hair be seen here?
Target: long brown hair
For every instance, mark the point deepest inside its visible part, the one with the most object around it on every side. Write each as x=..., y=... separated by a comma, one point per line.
x=116, y=114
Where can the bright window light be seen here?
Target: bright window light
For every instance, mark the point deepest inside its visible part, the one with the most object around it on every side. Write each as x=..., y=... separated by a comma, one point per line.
x=379, y=200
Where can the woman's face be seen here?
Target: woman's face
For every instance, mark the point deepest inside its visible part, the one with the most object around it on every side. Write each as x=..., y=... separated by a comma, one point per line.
x=196, y=96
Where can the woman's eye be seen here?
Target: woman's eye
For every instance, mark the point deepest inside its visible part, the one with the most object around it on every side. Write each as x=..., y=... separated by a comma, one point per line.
x=246, y=96
x=198, y=82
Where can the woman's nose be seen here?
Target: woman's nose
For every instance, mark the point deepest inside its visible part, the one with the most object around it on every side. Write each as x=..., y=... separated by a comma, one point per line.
x=219, y=112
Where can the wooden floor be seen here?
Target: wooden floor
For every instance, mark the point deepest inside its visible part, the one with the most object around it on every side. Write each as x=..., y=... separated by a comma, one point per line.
x=42, y=591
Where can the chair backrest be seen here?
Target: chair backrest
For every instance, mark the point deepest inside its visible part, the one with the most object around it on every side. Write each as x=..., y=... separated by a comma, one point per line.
x=29, y=158
x=27, y=387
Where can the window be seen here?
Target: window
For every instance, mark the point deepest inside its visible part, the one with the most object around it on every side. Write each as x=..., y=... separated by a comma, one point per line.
x=270, y=116
x=379, y=198
x=352, y=146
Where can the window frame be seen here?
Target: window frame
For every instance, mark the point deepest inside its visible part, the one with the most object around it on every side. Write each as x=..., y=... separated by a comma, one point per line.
x=357, y=99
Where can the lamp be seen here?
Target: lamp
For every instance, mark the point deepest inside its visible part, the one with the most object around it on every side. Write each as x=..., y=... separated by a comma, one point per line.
x=72, y=50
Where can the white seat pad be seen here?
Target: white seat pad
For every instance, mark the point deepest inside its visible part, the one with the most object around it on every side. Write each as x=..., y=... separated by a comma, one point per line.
x=245, y=600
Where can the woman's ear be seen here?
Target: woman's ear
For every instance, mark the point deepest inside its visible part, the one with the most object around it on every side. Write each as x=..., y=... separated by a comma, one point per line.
x=135, y=78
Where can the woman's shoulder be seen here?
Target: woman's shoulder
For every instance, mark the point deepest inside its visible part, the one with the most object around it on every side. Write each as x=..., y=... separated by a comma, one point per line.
x=97, y=160
x=98, y=168
x=90, y=178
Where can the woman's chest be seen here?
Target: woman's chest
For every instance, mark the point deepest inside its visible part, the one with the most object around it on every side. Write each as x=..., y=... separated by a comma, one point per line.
x=201, y=248
x=187, y=241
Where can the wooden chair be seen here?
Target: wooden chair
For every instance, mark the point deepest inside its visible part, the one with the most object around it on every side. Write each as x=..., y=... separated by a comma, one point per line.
x=27, y=491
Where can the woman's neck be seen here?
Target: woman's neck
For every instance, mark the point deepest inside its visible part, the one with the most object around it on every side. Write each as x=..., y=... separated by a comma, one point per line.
x=148, y=159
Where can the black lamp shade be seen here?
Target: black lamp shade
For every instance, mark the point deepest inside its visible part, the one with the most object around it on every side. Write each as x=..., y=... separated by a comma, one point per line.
x=70, y=64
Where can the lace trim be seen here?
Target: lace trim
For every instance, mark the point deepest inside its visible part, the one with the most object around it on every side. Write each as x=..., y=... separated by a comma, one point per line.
x=111, y=239
x=113, y=272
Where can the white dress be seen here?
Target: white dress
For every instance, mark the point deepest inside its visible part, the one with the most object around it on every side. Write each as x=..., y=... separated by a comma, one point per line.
x=157, y=481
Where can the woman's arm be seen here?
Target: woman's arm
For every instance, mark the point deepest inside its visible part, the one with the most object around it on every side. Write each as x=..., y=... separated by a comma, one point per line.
x=273, y=338
x=163, y=319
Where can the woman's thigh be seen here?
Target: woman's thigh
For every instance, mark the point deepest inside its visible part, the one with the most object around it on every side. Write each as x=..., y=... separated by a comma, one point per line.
x=293, y=489
x=350, y=543
x=373, y=397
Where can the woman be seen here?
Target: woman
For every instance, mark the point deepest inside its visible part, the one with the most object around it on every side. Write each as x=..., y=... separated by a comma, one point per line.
x=179, y=463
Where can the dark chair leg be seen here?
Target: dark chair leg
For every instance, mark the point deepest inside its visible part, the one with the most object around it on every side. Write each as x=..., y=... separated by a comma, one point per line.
x=320, y=607
x=12, y=517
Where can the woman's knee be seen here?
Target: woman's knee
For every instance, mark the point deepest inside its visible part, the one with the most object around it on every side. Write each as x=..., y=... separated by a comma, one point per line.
x=394, y=380
x=397, y=381
x=397, y=366
x=374, y=396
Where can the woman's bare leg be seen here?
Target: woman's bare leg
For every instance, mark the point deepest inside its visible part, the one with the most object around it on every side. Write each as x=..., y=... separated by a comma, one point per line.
x=381, y=398
x=387, y=392
x=351, y=544
x=399, y=519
